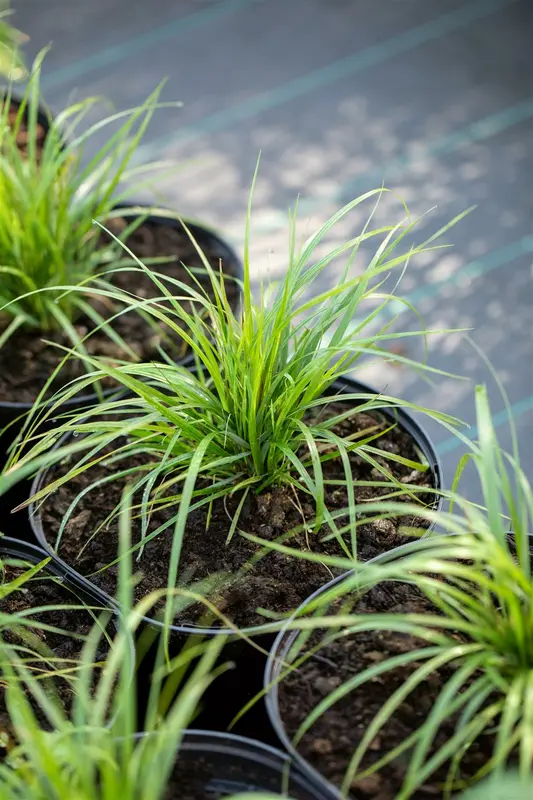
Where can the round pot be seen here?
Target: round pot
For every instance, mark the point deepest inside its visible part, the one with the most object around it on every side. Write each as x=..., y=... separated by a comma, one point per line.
x=80, y=587
x=342, y=386
x=236, y=687
x=278, y=657
x=511, y=540
x=232, y=764
x=82, y=590
x=274, y=668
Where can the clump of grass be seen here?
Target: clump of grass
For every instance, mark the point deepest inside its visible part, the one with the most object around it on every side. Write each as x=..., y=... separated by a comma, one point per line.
x=250, y=416
x=479, y=581
x=93, y=753
x=53, y=259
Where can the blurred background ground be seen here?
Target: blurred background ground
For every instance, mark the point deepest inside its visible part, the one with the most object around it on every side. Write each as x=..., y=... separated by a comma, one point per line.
x=433, y=98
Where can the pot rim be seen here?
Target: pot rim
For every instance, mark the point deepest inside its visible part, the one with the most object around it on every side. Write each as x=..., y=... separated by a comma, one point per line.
x=199, y=230
x=72, y=580
x=277, y=655
x=260, y=753
x=194, y=736
x=79, y=586
x=346, y=385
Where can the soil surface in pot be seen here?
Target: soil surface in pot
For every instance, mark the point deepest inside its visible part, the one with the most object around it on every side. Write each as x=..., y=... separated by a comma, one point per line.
x=27, y=361
x=197, y=777
x=23, y=133
x=277, y=581
x=332, y=740
x=43, y=590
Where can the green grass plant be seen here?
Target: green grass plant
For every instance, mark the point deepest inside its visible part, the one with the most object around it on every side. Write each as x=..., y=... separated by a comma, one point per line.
x=93, y=752
x=53, y=259
x=479, y=580
x=251, y=415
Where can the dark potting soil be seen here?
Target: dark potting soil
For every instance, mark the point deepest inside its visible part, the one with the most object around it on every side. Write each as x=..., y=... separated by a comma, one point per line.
x=26, y=361
x=197, y=777
x=332, y=740
x=277, y=581
x=43, y=590
x=23, y=133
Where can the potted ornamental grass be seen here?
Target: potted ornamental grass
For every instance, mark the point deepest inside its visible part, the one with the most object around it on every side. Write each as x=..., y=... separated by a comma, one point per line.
x=91, y=761
x=95, y=751
x=46, y=618
x=266, y=439
x=413, y=676
x=56, y=263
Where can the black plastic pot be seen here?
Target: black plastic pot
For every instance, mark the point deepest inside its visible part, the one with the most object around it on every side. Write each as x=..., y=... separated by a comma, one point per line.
x=278, y=659
x=82, y=590
x=342, y=386
x=225, y=764
x=80, y=587
x=236, y=687
x=11, y=411
x=511, y=540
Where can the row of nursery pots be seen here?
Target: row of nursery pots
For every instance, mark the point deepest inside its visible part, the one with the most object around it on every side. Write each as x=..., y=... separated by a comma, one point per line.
x=248, y=758
x=261, y=756
x=253, y=754
x=221, y=762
